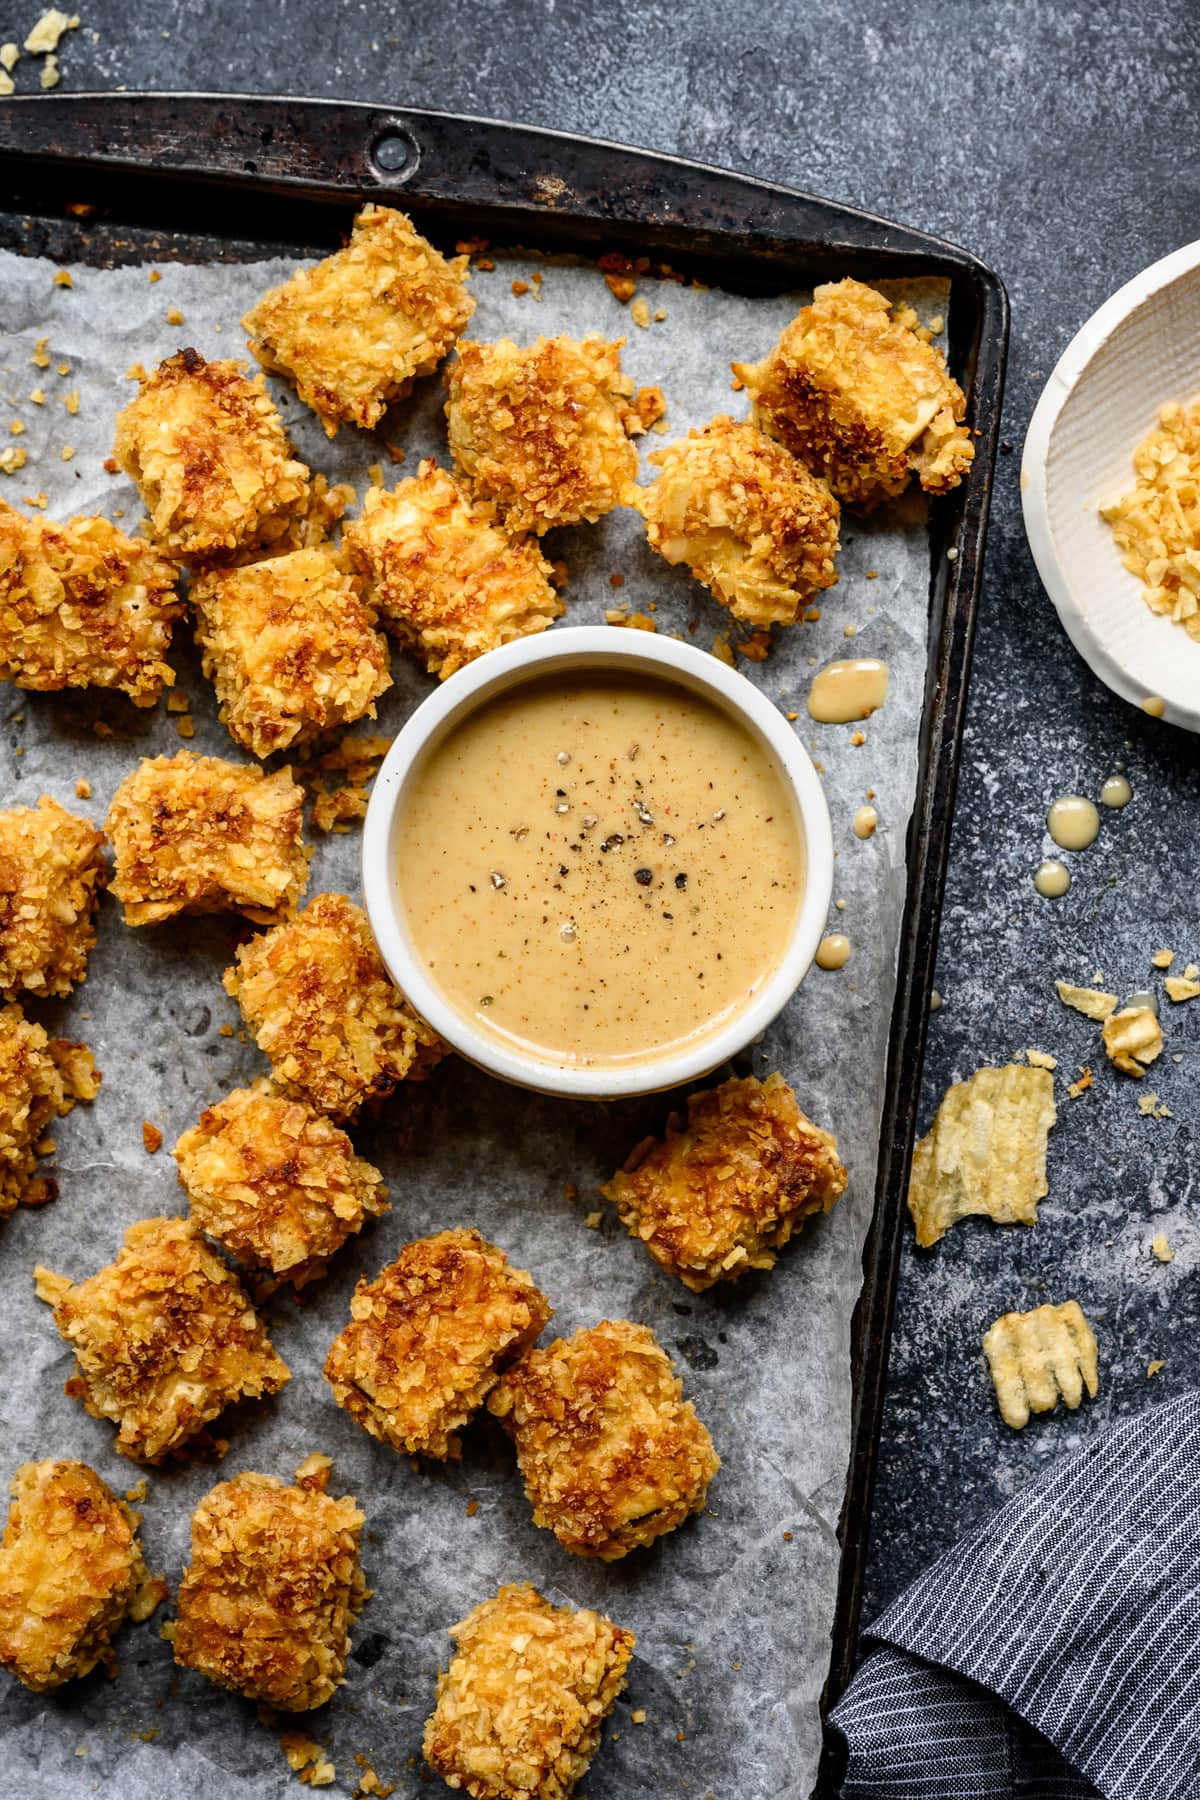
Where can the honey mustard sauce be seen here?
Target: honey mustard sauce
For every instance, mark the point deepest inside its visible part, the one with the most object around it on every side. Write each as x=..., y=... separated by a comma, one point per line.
x=846, y=690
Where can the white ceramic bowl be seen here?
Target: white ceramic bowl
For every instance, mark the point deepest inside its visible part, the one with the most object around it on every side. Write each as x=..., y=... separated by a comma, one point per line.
x=604, y=648
x=1140, y=350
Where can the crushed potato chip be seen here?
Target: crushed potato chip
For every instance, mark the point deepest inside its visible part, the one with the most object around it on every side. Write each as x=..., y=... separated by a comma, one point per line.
x=1091, y=1002
x=1040, y=1357
x=1180, y=987
x=1162, y=959
x=1133, y=1038
x=1156, y=525
x=1040, y=1059
x=1161, y=1248
x=48, y=30
x=1154, y=1368
x=986, y=1152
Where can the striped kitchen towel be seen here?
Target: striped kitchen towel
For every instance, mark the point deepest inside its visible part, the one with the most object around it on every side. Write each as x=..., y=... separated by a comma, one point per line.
x=1055, y=1653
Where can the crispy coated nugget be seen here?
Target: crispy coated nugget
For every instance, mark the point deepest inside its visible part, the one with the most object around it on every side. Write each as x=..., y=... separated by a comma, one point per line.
x=854, y=392
x=544, y=431
x=210, y=457
x=521, y=1707
x=746, y=517
x=986, y=1152
x=290, y=648
x=51, y=873
x=355, y=331
x=1133, y=1039
x=165, y=1338
x=445, y=579
x=1038, y=1357
x=82, y=605
x=197, y=834
x=71, y=1572
x=324, y=1009
x=427, y=1340
x=722, y=1193
x=611, y=1453
x=41, y=1078
x=276, y=1183
x=274, y=1584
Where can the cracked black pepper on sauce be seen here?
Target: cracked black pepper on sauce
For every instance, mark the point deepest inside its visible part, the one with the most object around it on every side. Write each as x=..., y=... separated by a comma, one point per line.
x=600, y=869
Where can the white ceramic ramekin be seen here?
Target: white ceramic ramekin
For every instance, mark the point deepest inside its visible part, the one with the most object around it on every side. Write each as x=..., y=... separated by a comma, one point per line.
x=608, y=649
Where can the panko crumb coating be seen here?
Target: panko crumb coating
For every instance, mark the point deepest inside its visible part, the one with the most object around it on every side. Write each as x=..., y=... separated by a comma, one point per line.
x=854, y=392
x=197, y=834
x=164, y=1338
x=354, y=332
x=71, y=1573
x=746, y=518
x=210, y=457
x=611, y=1453
x=273, y=1586
x=544, y=431
x=276, y=1183
x=41, y=1078
x=82, y=605
x=323, y=1008
x=722, y=1193
x=290, y=648
x=520, y=1709
x=51, y=872
x=427, y=1340
x=445, y=579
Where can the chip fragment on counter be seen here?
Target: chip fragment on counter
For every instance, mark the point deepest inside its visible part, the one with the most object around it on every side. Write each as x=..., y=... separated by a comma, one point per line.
x=1093, y=1003
x=1133, y=1039
x=986, y=1152
x=51, y=874
x=1039, y=1357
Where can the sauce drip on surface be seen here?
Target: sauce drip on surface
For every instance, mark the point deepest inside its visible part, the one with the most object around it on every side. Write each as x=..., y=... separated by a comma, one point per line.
x=851, y=689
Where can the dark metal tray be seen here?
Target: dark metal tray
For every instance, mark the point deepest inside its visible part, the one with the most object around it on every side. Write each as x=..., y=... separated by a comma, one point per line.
x=117, y=177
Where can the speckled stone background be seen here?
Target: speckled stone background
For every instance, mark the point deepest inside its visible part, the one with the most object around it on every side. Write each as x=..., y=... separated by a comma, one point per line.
x=1062, y=144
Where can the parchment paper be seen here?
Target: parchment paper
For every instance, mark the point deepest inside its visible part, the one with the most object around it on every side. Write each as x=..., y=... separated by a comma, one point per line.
x=732, y=1613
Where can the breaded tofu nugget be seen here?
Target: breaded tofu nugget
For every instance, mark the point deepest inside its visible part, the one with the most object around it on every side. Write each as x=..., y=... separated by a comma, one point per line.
x=41, y=1078
x=276, y=1183
x=544, y=431
x=854, y=392
x=746, y=518
x=165, y=1338
x=82, y=605
x=274, y=1584
x=445, y=579
x=210, y=457
x=197, y=834
x=51, y=873
x=427, y=1340
x=521, y=1707
x=722, y=1193
x=322, y=1006
x=354, y=332
x=611, y=1453
x=290, y=648
x=71, y=1573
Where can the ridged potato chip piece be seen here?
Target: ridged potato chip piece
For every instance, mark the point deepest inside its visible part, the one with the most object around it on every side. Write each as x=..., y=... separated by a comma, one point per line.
x=1038, y=1358
x=1133, y=1038
x=1093, y=1003
x=986, y=1152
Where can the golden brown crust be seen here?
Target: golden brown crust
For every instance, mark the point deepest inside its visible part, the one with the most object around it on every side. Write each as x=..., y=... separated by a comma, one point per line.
x=210, y=457
x=274, y=1584
x=71, y=1571
x=544, y=431
x=521, y=1707
x=197, y=834
x=290, y=648
x=51, y=873
x=41, y=1078
x=82, y=605
x=446, y=580
x=355, y=331
x=611, y=1453
x=722, y=1193
x=164, y=1338
x=853, y=391
x=427, y=1340
x=323, y=1008
x=746, y=518
x=278, y=1185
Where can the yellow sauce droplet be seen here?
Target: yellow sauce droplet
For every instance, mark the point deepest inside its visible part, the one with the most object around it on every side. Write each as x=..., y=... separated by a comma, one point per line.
x=1052, y=880
x=1148, y=1000
x=833, y=952
x=852, y=689
x=1154, y=706
x=1073, y=822
x=1116, y=791
x=865, y=821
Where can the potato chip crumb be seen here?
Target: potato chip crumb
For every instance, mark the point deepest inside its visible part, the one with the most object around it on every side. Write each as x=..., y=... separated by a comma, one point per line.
x=12, y=459
x=49, y=77
x=1091, y=1002
x=16, y=427
x=63, y=279
x=137, y=1493
x=41, y=356
x=178, y=702
x=592, y=1220
x=62, y=368
x=9, y=56
x=154, y=275
x=638, y=1716
x=650, y=405
x=1075, y=1088
x=1040, y=1059
x=48, y=30
x=1153, y=1368
x=152, y=1137
x=622, y=287
x=375, y=471
x=1192, y=972
x=83, y=788
x=314, y=1472
x=660, y=313
x=1151, y=1107
x=185, y=725
x=71, y=401
x=519, y=288
x=1160, y=1247
x=38, y=396
x=1039, y=1357
x=1180, y=988
x=1162, y=959
x=639, y=312
x=616, y=615
x=985, y=1153
x=1132, y=1038
x=68, y=452
x=174, y=316
x=225, y=1031
x=858, y=738
x=722, y=651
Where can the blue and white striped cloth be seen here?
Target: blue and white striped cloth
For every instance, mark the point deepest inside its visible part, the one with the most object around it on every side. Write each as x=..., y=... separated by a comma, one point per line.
x=1055, y=1653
